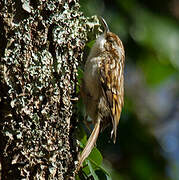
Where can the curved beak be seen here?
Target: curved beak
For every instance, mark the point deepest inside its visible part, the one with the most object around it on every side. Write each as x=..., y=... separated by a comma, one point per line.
x=106, y=28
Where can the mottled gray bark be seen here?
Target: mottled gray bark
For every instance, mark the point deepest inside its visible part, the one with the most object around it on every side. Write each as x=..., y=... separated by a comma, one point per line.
x=41, y=46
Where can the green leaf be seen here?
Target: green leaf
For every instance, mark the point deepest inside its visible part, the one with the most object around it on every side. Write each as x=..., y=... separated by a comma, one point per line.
x=95, y=157
x=80, y=73
x=92, y=171
x=77, y=177
x=108, y=176
x=102, y=175
x=90, y=44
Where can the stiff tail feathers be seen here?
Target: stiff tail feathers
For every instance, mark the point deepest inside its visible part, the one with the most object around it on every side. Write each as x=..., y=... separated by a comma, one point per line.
x=89, y=145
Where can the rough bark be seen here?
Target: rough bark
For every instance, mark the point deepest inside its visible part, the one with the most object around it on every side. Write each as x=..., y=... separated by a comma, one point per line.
x=41, y=46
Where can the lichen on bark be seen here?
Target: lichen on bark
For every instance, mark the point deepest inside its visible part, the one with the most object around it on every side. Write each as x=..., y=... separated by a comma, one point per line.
x=41, y=46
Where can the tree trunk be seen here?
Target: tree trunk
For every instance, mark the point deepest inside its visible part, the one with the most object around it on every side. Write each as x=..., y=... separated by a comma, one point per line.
x=41, y=45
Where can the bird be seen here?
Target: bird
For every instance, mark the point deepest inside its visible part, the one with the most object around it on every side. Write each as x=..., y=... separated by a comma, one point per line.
x=102, y=88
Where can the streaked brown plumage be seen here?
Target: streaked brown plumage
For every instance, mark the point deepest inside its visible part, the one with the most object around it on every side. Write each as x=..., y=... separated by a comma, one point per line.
x=103, y=86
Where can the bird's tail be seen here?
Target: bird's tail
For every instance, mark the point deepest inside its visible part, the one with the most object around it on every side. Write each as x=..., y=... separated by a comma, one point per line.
x=90, y=144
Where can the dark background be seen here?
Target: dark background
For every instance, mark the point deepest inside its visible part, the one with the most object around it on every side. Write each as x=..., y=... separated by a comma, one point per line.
x=147, y=145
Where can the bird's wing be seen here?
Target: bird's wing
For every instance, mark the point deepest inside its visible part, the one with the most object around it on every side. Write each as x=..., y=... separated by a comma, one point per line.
x=111, y=78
